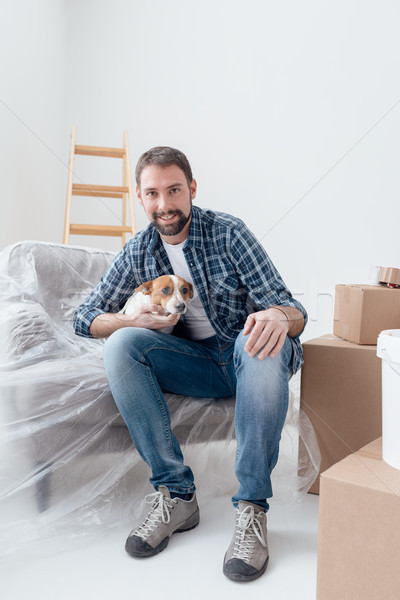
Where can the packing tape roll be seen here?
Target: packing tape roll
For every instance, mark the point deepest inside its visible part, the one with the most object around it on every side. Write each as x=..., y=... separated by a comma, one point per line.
x=389, y=276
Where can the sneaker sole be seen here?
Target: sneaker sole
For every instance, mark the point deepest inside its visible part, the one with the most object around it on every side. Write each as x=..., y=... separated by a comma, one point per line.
x=191, y=523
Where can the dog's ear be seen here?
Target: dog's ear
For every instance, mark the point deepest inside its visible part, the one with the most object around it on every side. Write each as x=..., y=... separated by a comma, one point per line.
x=190, y=290
x=145, y=288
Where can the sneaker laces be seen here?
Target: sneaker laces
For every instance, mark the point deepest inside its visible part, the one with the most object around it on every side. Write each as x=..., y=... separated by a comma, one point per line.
x=248, y=531
x=159, y=513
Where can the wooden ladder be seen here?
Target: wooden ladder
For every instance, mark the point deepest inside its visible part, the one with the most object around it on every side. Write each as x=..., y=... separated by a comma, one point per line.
x=100, y=191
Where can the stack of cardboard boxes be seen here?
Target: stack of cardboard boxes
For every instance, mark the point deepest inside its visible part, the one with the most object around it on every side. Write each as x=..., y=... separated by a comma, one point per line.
x=341, y=382
x=359, y=513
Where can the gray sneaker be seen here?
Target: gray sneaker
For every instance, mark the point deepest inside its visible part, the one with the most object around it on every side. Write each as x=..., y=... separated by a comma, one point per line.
x=247, y=556
x=167, y=516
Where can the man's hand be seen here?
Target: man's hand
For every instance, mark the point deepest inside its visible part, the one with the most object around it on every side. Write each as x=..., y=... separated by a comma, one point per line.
x=269, y=329
x=152, y=316
x=149, y=317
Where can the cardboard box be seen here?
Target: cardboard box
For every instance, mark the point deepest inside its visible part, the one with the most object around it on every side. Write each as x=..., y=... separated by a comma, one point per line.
x=363, y=311
x=341, y=393
x=359, y=533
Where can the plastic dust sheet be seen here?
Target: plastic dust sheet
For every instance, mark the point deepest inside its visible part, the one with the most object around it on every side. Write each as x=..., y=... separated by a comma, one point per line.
x=68, y=468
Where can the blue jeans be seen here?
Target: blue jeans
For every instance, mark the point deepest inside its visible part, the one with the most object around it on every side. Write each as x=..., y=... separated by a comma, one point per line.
x=141, y=363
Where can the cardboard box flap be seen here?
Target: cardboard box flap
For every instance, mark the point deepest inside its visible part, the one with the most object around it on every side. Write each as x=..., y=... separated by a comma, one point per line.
x=366, y=469
x=333, y=340
x=370, y=287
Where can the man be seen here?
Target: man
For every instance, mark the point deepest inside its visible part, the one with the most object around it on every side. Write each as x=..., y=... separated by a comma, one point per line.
x=240, y=335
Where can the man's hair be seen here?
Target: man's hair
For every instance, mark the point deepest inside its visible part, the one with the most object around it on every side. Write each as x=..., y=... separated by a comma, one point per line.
x=163, y=156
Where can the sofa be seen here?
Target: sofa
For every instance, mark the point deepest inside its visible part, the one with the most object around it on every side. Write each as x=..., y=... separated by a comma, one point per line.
x=67, y=456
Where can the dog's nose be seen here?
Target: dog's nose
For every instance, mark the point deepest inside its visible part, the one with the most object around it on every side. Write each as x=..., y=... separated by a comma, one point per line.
x=180, y=308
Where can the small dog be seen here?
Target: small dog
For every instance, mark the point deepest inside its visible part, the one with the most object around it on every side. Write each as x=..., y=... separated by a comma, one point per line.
x=169, y=291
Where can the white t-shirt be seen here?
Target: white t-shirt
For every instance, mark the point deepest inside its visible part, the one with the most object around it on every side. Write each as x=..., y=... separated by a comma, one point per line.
x=196, y=320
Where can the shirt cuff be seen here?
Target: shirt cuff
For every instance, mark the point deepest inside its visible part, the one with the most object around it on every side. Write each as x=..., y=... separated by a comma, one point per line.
x=83, y=321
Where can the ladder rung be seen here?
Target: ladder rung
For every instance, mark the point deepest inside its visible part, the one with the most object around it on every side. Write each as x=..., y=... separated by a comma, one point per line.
x=100, y=151
x=111, y=230
x=103, y=191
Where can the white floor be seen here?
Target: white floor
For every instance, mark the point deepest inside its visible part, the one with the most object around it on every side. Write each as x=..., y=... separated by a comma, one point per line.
x=190, y=567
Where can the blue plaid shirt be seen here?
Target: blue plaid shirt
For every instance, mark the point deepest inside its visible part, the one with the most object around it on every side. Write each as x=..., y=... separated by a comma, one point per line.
x=231, y=270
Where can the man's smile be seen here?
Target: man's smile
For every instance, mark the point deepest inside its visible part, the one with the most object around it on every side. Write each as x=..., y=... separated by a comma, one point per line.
x=168, y=217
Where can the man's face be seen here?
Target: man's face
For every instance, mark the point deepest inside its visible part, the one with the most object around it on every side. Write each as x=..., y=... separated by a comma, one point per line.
x=167, y=200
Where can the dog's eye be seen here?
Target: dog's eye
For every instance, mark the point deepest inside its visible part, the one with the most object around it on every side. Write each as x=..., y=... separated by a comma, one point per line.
x=184, y=290
x=166, y=291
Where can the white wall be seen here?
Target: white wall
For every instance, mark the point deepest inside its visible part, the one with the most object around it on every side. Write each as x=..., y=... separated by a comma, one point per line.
x=32, y=119
x=278, y=106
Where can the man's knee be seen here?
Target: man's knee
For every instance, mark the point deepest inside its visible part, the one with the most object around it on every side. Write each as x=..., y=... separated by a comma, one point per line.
x=124, y=341
x=278, y=364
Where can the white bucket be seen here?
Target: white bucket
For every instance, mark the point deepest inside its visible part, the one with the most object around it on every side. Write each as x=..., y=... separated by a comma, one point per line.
x=389, y=351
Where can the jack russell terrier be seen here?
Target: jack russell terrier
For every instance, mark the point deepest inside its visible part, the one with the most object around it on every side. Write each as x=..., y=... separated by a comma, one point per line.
x=169, y=291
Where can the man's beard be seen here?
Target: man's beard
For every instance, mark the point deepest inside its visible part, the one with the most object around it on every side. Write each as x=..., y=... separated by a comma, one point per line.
x=170, y=229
